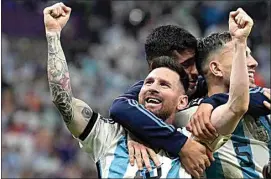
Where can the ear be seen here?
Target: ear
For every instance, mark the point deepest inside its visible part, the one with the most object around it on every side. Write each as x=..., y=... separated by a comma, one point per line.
x=182, y=103
x=215, y=68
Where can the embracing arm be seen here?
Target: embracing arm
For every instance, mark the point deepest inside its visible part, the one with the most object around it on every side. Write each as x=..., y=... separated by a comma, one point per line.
x=143, y=124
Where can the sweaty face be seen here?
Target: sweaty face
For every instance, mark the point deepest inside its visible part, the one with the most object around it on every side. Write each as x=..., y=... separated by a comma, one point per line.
x=162, y=93
x=227, y=54
x=187, y=59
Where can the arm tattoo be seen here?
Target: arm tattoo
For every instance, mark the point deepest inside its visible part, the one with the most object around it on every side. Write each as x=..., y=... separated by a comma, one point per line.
x=87, y=113
x=58, y=77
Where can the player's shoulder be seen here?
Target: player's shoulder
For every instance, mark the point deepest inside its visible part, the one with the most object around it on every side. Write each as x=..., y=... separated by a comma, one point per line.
x=194, y=102
x=256, y=89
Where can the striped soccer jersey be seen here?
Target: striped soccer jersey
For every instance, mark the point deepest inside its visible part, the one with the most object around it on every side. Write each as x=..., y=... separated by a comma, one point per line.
x=106, y=144
x=245, y=154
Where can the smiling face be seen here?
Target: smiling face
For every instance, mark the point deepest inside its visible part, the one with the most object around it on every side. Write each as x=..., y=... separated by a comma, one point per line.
x=163, y=93
x=226, y=54
x=187, y=59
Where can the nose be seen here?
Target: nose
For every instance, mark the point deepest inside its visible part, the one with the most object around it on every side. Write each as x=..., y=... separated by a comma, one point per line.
x=154, y=88
x=251, y=62
x=192, y=72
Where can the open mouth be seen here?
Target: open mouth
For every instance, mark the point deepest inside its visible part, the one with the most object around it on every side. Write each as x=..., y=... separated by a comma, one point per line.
x=152, y=100
x=192, y=84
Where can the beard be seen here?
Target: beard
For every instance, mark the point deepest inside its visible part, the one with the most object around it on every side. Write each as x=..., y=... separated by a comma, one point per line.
x=163, y=113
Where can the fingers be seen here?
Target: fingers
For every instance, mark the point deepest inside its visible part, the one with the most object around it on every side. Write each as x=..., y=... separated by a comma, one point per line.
x=199, y=170
x=154, y=157
x=207, y=162
x=267, y=90
x=138, y=157
x=232, y=16
x=189, y=127
x=56, y=10
x=194, y=128
x=206, y=134
x=145, y=157
x=210, y=155
x=193, y=172
x=131, y=153
x=244, y=18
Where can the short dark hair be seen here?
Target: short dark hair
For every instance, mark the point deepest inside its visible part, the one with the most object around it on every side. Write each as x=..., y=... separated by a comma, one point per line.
x=208, y=45
x=168, y=62
x=163, y=40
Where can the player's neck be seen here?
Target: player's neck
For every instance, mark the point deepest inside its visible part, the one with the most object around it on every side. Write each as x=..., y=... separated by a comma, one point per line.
x=170, y=120
x=217, y=88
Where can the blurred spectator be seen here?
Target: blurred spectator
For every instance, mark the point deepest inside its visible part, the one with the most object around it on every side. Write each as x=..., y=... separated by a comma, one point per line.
x=104, y=46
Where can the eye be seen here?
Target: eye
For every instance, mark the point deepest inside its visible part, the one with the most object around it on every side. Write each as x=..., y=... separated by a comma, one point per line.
x=165, y=84
x=87, y=113
x=148, y=82
x=188, y=63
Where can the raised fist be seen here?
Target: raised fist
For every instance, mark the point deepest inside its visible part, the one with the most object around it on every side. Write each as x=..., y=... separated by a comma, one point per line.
x=240, y=24
x=56, y=17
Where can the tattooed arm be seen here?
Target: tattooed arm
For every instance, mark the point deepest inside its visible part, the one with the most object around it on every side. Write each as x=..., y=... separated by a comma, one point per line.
x=75, y=112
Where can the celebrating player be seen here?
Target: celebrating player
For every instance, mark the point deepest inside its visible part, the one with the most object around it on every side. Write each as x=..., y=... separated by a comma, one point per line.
x=146, y=126
x=104, y=140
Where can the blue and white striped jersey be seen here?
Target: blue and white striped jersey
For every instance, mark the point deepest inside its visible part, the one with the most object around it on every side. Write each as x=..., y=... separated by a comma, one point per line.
x=246, y=153
x=106, y=144
x=248, y=150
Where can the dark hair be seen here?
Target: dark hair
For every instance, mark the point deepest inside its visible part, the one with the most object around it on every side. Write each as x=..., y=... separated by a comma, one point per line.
x=208, y=45
x=168, y=62
x=165, y=39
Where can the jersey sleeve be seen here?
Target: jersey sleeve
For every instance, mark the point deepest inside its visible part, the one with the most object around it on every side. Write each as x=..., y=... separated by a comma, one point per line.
x=143, y=124
x=98, y=136
x=256, y=106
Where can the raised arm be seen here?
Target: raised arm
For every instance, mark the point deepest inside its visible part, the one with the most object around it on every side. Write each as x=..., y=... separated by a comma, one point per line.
x=226, y=117
x=75, y=112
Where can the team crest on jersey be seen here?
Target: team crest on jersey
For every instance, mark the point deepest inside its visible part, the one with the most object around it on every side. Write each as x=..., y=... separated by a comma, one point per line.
x=256, y=129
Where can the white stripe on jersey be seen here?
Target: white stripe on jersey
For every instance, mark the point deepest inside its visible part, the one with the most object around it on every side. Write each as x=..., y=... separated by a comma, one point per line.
x=229, y=162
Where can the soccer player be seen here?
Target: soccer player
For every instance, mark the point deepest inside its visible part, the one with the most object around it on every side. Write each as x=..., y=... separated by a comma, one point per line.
x=249, y=148
x=104, y=140
x=144, y=128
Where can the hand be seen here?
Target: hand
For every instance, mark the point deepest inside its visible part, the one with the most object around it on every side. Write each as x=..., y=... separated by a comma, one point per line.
x=195, y=157
x=267, y=94
x=240, y=24
x=200, y=124
x=138, y=151
x=56, y=17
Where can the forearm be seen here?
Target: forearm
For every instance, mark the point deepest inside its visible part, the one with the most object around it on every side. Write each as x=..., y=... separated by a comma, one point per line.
x=58, y=77
x=239, y=82
x=226, y=117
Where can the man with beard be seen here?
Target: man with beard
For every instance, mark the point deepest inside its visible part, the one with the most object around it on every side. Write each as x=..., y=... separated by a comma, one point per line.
x=146, y=129
x=104, y=140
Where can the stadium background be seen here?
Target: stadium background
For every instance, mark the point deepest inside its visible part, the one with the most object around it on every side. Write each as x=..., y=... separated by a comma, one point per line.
x=104, y=46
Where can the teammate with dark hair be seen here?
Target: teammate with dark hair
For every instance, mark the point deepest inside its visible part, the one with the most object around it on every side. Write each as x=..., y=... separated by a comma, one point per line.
x=147, y=127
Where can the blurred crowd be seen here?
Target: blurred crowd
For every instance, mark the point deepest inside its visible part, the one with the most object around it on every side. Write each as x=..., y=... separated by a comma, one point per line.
x=104, y=47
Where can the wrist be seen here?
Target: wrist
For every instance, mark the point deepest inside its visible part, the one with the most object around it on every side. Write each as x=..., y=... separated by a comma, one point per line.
x=242, y=41
x=52, y=32
x=182, y=151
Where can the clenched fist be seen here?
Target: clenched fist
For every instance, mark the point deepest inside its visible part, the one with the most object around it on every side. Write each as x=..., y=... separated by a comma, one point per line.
x=240, y=24
x=56, y=17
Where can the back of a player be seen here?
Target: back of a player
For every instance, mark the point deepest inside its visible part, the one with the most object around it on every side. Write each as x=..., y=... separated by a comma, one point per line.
x=246, y=153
